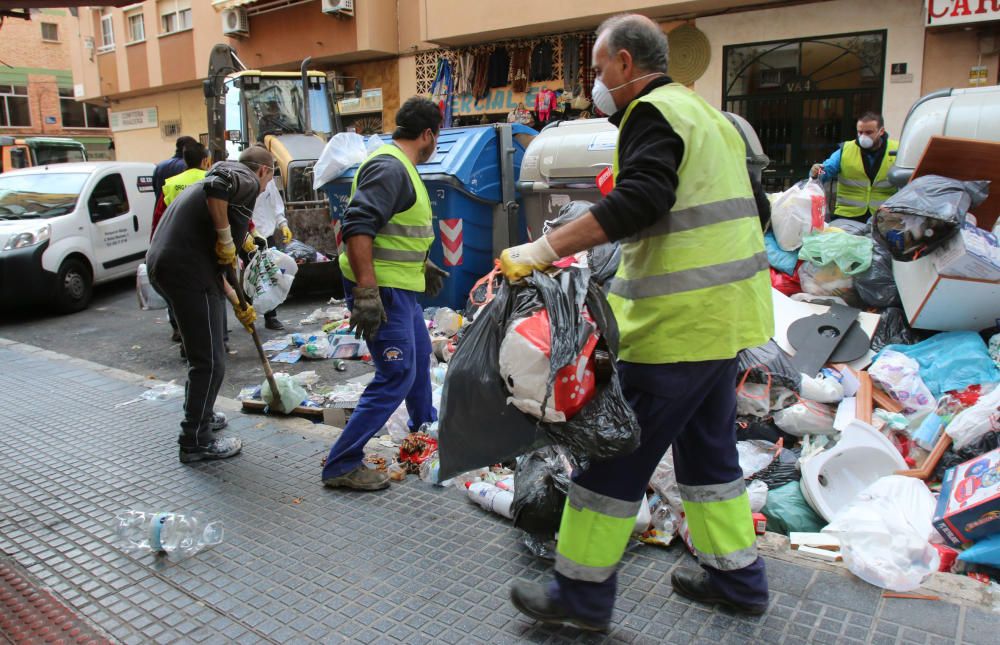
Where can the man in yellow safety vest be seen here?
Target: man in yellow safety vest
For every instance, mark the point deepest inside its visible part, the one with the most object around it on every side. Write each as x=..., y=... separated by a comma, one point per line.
x=692, y=291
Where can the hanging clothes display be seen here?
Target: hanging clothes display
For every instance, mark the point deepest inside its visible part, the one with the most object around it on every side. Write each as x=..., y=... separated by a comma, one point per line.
x=463, y=72
x=520, y=68
x=571, y=62
x=541, y=62
x=481, y=68
x=442, y=91
x=587, y=75
x=545, y=103
x=499, y=68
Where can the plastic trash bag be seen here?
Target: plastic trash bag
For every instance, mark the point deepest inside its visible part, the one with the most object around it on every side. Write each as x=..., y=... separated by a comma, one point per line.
x=268, y=278
x=876, y=287
x=768, y=363
x=823, y=388
x=886, y=532
x=796, y=212
x=972, y=424
x=374, y=143
x=757, y=491
x=893, y=329
x=986, y=551
x=924, y=214
x=316, y=348
x=302, y=253
x=952, y=360
x=541, y=483
x=343, y=150
x=851, y=253
x=786, y=284
x=148, y=296
x=755, y=456
x=828, y=280
x=602, y=259
x=777, y=257
x=781, y=471
x=806, y=417
x=899, y=376
x=787, y=511
x=290, y=393
x=994, y=349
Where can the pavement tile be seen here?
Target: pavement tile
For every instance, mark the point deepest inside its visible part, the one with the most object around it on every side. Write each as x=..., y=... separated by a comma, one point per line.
x=935, y=617
x=844, y=592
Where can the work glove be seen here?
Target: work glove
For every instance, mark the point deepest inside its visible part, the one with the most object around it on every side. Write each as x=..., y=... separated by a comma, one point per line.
x=225, y=250
x=286, y=234
x=252, y=242
x=246, y=315
x=367, y=314
x=816, y=171
x=433, y=279
x=519, y=261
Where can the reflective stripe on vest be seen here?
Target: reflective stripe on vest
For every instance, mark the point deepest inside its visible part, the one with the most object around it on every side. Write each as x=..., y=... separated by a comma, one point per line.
x=400, y=247
x=593, y=534
x=695, y=285
x=857, y=195
x=720, y=525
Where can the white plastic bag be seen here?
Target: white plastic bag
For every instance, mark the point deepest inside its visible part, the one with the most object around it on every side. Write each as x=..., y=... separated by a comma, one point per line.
x=148, y=297
x=886, y=532
x=796, y=212
x=344, y=150
x=268, y=278
x=316, y=348
x=899, y=376
x=757, y=491
x=972, y=423
x=374, y=143
x=806, y=417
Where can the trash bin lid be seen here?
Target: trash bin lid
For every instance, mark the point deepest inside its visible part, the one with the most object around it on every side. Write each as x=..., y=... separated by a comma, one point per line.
x=569, y=152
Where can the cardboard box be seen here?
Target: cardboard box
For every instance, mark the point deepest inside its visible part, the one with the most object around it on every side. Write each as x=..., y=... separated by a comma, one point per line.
x=972, y=253
x=969, y=506
x=945, y=303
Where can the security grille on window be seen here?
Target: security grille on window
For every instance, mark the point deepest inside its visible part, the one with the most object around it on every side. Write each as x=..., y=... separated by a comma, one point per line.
x=50, y=31
x=175, y=15
x=170, y=129
x=107, y=33
x=76, y=114
x=14, y=111
x=136, y=27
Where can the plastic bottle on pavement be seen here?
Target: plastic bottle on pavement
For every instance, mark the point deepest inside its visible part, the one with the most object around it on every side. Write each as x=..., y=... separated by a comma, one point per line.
x=179, y=535
x=491, y=498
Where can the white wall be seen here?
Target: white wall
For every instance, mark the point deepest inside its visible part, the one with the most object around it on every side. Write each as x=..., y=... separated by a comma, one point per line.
x=903, y=20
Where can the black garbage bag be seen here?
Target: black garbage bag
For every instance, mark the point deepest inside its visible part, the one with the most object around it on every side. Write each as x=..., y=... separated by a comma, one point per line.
x=893, y=329
x=602, y=259
x=301, y=252
x=478, y=427
x=925, y=214
x=784, y=469
x=541, y=483
x=876, y=287
x=768, y=360
x=951, y=457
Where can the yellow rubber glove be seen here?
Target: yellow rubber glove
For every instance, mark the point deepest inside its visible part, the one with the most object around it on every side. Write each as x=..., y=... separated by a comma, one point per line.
x=286, y=234
x=519, y=261
x=225, y=250
x=246, y=315
x=248, y=245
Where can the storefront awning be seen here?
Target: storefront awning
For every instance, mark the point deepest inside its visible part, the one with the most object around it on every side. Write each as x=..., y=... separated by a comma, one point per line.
x=221, y=5
x=62, y=4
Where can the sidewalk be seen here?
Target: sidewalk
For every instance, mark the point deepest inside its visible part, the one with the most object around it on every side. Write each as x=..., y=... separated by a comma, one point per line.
x=413, y=564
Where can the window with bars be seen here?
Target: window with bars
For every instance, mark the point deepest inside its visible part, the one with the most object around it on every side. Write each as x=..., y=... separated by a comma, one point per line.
x=175, y=15
x=107, y=33
x=76, y=114
x=14, y=110
x=136, y=27
x=50, y=31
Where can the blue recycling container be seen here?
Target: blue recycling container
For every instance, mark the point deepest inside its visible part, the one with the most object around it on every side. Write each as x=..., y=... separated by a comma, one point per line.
x=464, y=184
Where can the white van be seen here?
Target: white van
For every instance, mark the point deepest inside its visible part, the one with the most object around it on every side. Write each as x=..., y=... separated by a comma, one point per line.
x=969, y=113
x=66, y=227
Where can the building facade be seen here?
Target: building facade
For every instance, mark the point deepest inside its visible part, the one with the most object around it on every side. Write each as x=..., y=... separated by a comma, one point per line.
x=800, y=71
x=37, y=94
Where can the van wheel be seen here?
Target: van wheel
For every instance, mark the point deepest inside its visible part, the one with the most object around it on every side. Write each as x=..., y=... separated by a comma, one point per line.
x=74, y=287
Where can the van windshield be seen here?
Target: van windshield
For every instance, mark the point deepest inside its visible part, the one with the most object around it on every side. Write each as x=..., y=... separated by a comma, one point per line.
x=39, y=195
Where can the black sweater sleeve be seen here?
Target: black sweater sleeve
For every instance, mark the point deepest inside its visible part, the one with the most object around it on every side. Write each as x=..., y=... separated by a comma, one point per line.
x=649, y=154
x=384, y=189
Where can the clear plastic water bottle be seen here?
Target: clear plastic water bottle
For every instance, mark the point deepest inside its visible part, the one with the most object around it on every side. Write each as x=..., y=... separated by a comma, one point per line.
x=178, y=535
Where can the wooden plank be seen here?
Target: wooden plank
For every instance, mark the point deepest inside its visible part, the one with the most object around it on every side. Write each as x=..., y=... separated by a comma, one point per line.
x=885, y=401
x=301, y=411
x=965, y=159
x=927, y=468
x=864, y=398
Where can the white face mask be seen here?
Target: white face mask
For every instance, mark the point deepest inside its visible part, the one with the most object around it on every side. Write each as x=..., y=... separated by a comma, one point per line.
x=602, y=93
x=865, y=141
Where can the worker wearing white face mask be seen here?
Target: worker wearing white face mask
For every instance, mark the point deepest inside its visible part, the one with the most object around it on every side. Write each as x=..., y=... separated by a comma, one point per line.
x=861, y=168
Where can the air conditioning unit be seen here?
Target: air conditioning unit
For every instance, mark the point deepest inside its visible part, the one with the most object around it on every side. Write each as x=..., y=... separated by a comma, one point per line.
x=338, y=7
x=235, y=22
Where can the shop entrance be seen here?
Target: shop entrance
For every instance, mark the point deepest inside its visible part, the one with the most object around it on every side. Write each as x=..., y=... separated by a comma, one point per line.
x=803, y=97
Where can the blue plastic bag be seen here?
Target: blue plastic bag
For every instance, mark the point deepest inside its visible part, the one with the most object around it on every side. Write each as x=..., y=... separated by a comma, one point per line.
x=983, y=552
x=951, y=360
x=778, y=257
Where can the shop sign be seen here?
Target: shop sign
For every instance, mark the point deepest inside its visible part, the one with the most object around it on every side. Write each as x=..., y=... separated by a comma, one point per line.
x=956, y=12
x=132, y=119
x=499, y=100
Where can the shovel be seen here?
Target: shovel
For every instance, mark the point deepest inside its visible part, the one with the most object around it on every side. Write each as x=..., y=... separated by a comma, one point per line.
x=237, y=283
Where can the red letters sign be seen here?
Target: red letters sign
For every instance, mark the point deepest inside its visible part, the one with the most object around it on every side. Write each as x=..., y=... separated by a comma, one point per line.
x=955, y=12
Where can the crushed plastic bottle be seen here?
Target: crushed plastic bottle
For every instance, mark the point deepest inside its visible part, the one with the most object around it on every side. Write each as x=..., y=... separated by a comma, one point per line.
x=447, y=321
x=178, y=535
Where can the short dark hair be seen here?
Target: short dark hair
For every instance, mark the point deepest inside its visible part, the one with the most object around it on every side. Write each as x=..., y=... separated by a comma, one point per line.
x=640, y=37
x=183, y=142
x=257, y=156
x=873, y=116
x=416, y=115
x=194, y=154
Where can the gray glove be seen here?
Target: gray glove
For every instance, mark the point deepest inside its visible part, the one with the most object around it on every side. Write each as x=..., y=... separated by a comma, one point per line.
x=433, y=279
x=367, y=314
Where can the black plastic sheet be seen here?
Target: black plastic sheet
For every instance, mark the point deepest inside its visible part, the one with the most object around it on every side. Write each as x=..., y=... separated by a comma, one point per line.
x=893, y=329
x=541, y=483
x=768, y=364
x=876, y=287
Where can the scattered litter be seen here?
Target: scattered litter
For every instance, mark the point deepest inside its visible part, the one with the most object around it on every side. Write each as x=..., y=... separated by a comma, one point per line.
x=158, y=392
x=290, y=393
x=276, y=344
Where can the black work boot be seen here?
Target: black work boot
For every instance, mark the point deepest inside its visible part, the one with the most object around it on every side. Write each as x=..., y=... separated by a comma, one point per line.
x=697, y=586
x=271, y=322
x=532, y=599
x=361, y=478
x=215, y=449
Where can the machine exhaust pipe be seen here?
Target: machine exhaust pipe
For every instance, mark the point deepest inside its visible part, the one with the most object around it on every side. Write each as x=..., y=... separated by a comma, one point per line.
x=305, y=94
